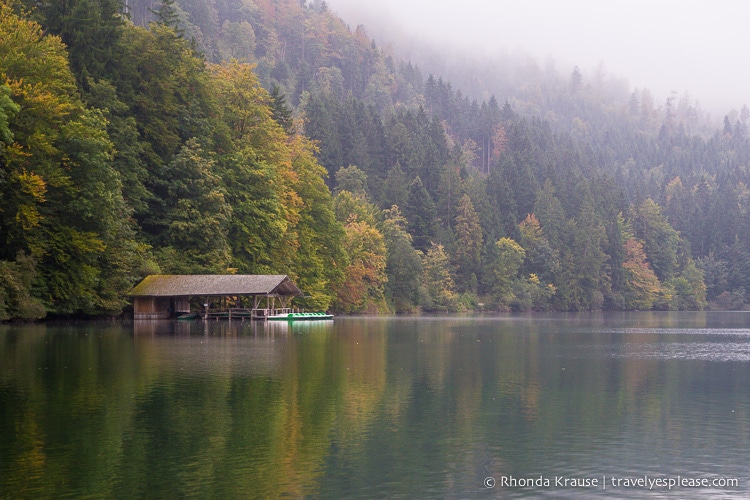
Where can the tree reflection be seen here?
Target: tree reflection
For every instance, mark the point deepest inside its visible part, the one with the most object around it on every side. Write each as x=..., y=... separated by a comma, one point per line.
x=356, y=407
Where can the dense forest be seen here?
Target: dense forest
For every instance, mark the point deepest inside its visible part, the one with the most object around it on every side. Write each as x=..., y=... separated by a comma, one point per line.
x=267, y=136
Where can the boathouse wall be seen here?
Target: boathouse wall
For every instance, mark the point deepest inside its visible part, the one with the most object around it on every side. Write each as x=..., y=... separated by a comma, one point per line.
x=159, y=307
x=151, y=308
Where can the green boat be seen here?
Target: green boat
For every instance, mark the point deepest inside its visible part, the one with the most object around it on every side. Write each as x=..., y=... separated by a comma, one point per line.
x=306, y=316
x=188, y=316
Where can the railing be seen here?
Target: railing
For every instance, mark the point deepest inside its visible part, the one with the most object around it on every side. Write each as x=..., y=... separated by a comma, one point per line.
x=266, y=312
x=245, y=312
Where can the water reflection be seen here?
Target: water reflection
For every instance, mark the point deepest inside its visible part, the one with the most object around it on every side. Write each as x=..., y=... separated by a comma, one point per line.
x=371, y=407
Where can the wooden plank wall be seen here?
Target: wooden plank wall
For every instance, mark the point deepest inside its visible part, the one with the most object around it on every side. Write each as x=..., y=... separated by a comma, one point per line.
x=151, y=307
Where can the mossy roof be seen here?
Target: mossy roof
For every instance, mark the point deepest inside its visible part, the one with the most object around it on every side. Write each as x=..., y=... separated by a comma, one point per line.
x=172, y=285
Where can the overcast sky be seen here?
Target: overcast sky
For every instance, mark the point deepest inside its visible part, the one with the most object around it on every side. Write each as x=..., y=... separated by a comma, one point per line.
x=700, y=47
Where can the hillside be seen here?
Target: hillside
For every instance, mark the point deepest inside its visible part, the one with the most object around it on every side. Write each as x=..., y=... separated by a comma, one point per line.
x=268, y=136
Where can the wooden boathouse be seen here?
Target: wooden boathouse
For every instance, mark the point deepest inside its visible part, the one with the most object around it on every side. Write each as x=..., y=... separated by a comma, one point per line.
x=255, y=296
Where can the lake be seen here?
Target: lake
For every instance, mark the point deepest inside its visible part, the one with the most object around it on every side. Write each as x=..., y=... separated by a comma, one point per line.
x=581, y=405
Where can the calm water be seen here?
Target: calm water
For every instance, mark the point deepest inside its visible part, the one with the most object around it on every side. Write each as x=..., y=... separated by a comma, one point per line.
x=378, y=408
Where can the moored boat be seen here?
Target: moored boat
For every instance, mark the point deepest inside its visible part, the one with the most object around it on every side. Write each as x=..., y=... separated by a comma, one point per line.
x=301, y=316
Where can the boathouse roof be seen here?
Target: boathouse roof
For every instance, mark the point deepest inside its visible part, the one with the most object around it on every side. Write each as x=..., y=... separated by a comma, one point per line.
x=188, y=285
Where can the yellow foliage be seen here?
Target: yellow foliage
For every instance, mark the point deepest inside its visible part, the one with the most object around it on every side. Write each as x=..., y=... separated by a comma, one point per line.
x=28, y=216
x=31, y=184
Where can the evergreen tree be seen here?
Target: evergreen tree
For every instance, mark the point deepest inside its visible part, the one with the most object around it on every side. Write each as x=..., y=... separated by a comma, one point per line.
x=469, y=243
x=167, y=15
x=128, y=157
x=90, y=29
x=420, y=216
x=281, y=112
x=403, y=264
x=197, y=216
x=321, y=115
x=395, y=189
x=502, y=202
x=541, y=259
x=589, y=238
x=551, y=215
x=661, y=241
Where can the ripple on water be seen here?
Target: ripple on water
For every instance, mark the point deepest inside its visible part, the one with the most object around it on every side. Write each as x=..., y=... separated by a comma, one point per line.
x=696, y=351
x=697, y=344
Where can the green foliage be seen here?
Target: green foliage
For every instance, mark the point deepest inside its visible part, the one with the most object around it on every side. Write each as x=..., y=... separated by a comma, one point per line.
x=469, y=243
x=166, y=88
x=351, y=179
x=194, y=237
x=438, y=294
x=715, y=274
x=364, y=277
x=124, y=152
x=257, y=216
x=90, y=29
x=167, y=15
x=362, y=289
x=281, y=112
x=507, y=261
x=129, y=149
x=586, y=262
x=62, y=202
x=689, y=289
x=320, y=257
x=16, y=299
x=642, y=287
x=661, y=241
x=421, y=215
x=532, y=295
x=8, y=108
x=403, y=263
x=396, y=187
x=541, y=259
x=350, y=206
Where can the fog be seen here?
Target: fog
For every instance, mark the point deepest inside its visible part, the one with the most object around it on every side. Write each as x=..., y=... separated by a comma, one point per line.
x=684, y=46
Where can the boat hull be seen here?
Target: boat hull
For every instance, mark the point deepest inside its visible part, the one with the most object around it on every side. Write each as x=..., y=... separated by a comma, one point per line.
x=301, y=317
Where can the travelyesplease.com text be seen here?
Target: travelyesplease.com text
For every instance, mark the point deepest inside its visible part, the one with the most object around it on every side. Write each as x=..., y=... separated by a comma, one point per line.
x=605, y=482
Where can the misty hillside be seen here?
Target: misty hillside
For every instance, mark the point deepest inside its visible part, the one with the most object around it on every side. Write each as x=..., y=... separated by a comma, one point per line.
x=267, y=136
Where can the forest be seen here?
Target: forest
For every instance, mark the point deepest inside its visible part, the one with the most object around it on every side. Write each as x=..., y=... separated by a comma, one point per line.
x=267, y=136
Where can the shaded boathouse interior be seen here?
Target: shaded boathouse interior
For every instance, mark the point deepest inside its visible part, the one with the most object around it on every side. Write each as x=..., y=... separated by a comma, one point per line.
x=256, y=296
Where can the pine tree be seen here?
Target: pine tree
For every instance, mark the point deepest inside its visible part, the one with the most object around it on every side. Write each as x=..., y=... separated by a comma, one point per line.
x=281, y=112
x=167, y=15
x=469, y=243
x=661, y=241
x=91, y=30
x=194, y=240
x=420, y=215
x=403, y=263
